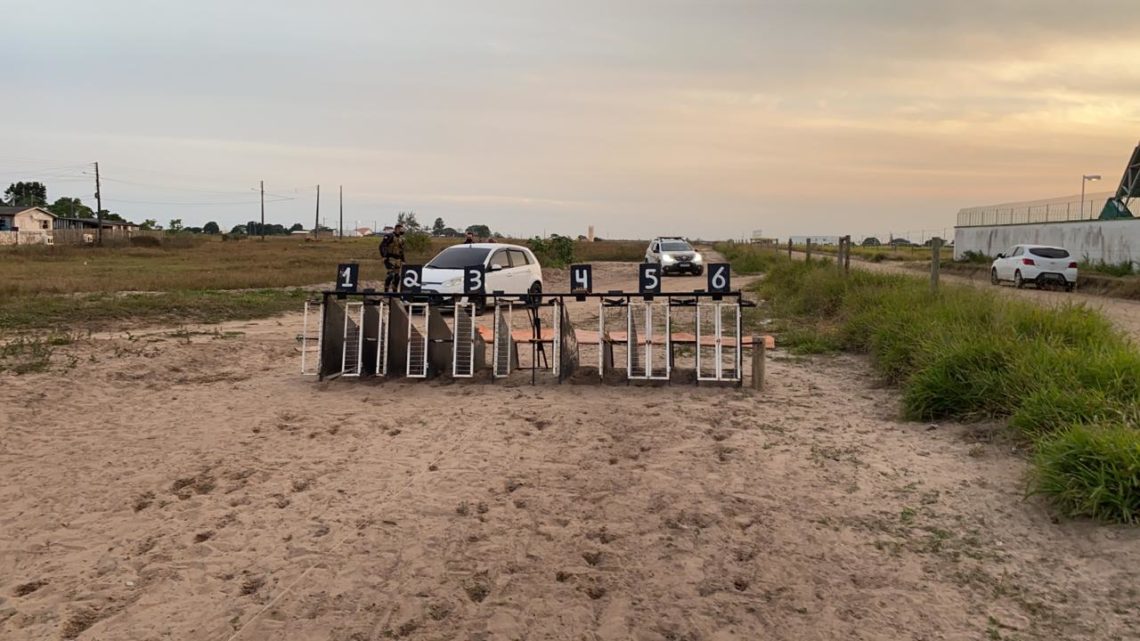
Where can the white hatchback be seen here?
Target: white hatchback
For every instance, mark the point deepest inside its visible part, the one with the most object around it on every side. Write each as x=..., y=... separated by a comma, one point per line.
x=1039, y=264
x=511, y=269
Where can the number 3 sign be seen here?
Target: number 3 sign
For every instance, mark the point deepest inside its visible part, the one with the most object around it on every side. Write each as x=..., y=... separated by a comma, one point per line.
x=719, y=278
x=473, y=280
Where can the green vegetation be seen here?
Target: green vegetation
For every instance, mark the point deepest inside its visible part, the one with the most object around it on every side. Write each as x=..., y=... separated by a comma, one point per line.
x=1065, y=379
x=556, y=251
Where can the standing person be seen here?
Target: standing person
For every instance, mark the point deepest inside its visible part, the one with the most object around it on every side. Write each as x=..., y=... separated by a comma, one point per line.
x=470, y=239
x=392, y=251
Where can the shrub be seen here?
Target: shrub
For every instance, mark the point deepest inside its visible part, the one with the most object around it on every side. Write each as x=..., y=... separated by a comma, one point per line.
x=146, y=241
x=556, y=251
x=416, y=242
x=1090, y=471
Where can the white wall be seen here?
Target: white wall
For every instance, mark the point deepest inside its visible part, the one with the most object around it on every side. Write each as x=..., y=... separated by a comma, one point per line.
x=1109, y=241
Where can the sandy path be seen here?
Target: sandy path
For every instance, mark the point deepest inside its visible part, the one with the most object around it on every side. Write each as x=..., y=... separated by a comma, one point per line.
x=197, y=488
x=1124, y=313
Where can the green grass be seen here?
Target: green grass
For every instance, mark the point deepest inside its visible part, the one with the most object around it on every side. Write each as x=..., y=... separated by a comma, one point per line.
x=1065, y=380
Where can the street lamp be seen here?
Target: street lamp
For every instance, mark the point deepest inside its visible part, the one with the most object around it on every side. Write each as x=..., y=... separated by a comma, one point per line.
x=1085, y=179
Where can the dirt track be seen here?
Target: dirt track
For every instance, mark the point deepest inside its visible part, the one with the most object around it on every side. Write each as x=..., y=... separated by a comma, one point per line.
x=195, y=487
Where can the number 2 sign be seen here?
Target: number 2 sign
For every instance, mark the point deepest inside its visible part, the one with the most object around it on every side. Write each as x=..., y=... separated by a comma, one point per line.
x=719, y=278
x=411, y=278
x=347, y=276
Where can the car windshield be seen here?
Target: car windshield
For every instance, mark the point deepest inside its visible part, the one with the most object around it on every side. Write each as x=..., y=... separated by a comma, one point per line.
x=459, y=257
x=675, y=246
x=1049, y=252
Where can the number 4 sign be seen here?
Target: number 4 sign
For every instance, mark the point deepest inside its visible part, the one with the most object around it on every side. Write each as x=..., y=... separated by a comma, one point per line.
x=581, y=279
x=347, y=276
x=719, y=278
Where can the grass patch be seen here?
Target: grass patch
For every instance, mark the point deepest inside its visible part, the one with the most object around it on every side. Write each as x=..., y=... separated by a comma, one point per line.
x=25, y=355
x=1065, y=379
x=99, y=311
x=747, y=259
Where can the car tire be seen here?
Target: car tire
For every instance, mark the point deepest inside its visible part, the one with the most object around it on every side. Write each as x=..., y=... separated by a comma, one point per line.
x=994, y=280
x=1018, y=281
x=536, y=288
x=1069, y=287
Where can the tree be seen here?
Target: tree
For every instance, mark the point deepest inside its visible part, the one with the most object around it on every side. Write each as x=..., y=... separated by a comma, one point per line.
x=67, y=207
x=239, y=230
x=175, y=224
x=26, y=194
x=482, y=231
x=438, y=228
x=408, y=220
x=110, y=215
x=149, y=224
x=296, y=227
x=211, y=228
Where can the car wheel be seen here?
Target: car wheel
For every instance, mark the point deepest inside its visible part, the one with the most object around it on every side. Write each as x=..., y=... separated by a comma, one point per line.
x=536, y=290
x=993, y=277
x=1018, y=281
x=1069, y=287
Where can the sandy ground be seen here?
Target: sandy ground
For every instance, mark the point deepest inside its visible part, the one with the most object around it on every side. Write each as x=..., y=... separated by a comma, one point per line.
x=194, y=486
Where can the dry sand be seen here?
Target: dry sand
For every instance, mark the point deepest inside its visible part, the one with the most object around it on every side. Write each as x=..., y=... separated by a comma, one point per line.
x=196, y=487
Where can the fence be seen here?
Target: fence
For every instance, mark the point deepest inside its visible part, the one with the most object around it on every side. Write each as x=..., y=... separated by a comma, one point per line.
x=1054, y=210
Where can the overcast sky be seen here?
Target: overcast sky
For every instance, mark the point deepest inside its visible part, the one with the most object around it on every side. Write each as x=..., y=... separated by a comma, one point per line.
x=708, y=118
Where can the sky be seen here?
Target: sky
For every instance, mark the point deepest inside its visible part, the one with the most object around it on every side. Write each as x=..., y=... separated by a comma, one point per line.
x=708, y=119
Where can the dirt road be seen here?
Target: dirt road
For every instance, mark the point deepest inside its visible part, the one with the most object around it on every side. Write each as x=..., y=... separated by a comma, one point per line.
x=194, y=486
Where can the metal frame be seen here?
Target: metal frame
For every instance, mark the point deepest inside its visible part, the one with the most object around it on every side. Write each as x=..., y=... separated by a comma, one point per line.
x=649, y=342
x=305, y=370
x=417, y=351
x=420, y=306
x=463, y=344
x=352, y=353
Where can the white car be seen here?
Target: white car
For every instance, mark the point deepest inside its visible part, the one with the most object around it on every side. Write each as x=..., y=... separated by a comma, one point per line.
x=675, y=255
x=1039, y=264
x=511, y=269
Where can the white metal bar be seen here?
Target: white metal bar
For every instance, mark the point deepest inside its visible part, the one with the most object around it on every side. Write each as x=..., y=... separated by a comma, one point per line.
x=306, y=362
x=352, y=346
x=601, y=339
x=501, y=368
x=382, y=338
x=417, y=349
x=556, y=342
x=463, y=345
x=719, y=344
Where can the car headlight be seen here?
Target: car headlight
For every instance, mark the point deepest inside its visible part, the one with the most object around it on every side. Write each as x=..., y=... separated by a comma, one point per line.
x=454, y=282
x=666, y=258
x=697, y=258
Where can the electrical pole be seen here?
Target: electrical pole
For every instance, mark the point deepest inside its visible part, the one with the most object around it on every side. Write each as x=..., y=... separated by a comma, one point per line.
x=317, y=219
x=342, y=211
x=263, y=210
x=99, y=204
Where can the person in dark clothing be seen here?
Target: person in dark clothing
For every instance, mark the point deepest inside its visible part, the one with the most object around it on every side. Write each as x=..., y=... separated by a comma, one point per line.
x=392, y=251
x=470, y=239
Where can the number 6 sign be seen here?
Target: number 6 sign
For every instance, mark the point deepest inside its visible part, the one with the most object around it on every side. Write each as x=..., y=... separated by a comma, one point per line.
x=719, y=278
x=411, y=278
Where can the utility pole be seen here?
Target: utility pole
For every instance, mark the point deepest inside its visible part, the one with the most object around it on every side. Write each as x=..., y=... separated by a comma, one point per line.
x=99, y=204
x=317, y=220
x=263, y=210
x=342, y=211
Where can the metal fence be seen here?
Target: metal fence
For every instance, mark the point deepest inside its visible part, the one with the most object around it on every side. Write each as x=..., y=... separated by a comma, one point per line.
x=1053, y=210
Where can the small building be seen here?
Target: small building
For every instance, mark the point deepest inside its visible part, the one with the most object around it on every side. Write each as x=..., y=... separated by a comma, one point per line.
x=93, y=223
x=815, y=240
x=26, y=219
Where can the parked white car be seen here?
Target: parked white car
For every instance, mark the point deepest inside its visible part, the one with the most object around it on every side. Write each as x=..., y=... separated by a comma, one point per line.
x=1039, y=264
x=511, y=269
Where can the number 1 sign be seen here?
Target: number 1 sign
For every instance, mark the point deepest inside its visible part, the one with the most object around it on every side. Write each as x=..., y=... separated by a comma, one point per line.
x=347, y=276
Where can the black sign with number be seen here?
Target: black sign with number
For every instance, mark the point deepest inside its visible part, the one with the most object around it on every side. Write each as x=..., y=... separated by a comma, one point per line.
x=474, y=280
x=411, y=278
x=582, y=279
x=649, y=278
x=720, y=280
x=347, y=276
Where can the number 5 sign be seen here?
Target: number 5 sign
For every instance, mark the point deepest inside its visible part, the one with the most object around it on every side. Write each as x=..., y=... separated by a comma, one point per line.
x=719, y=278
x=347, y=276
x=649, y=279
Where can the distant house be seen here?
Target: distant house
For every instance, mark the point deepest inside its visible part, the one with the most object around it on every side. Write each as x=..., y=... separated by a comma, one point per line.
x=363, y=231
x=871, y=241
x=26, y=219
x=901, y=242
x=93, y=223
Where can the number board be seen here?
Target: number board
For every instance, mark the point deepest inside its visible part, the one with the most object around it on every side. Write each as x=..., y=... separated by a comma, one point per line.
x=411, y=278
x=474, y=280
x=649, y=278
x=347, y=277
x=582, y=279
x=719, y=278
